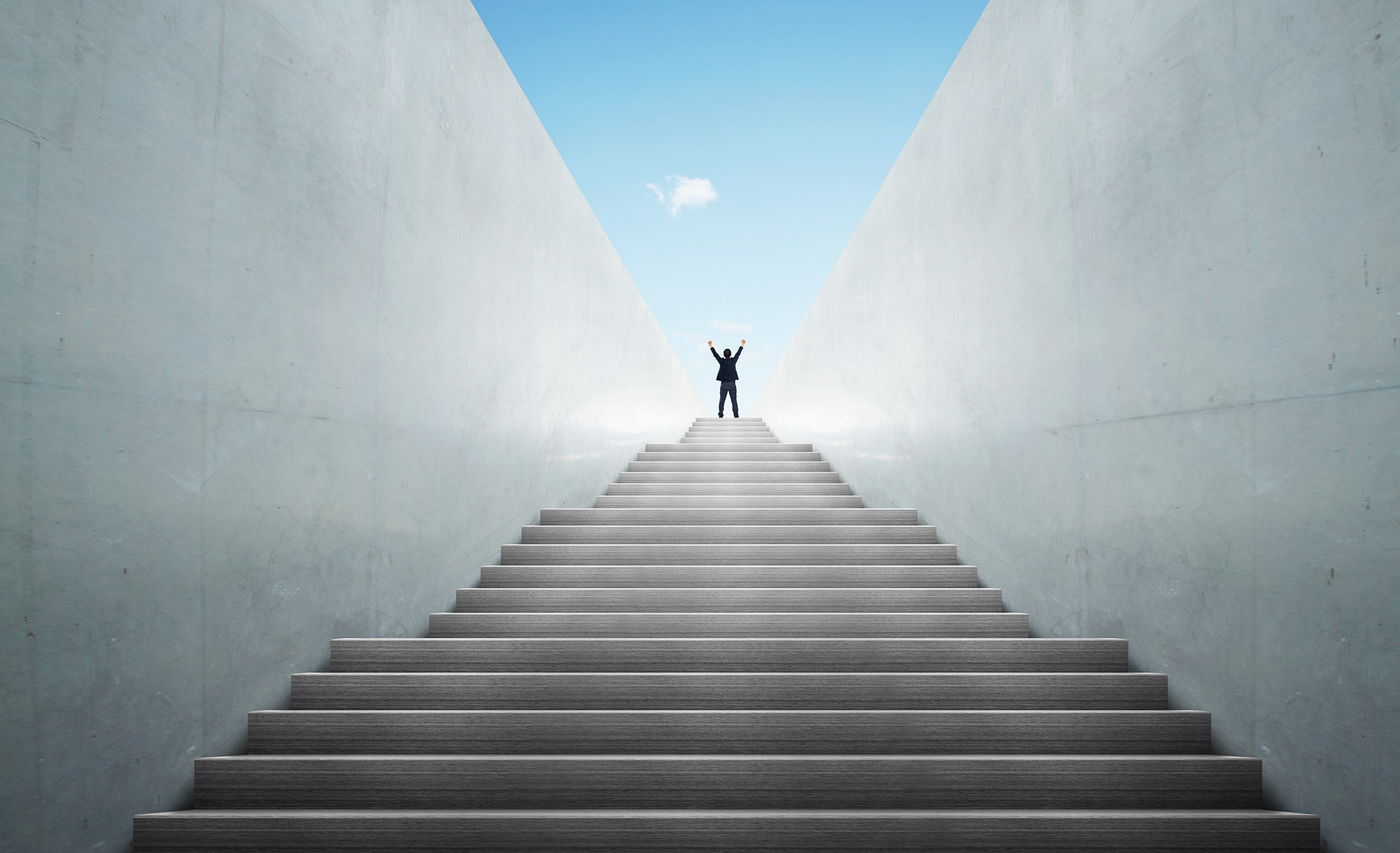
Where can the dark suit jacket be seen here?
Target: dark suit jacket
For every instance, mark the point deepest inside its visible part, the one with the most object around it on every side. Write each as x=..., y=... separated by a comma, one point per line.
x=727, y=373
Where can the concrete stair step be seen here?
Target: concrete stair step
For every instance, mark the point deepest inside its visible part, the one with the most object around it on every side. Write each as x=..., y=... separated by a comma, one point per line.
x=728, y=652
x=593, y=624
x=729, y=732
x=694, y=454
x=727, y=782
x=727, y=431
x=729, y=476
x=728, y=434
x=728, y=600
x=757, y=447
x=729, y=534
x=729, y=554
x=730, y=501
x=739, y=831
x=728, y=576
x=731, y=654
x=679, y=517
x=827, y=691
x=728, y=489
x=759, y=435
x=708, y=466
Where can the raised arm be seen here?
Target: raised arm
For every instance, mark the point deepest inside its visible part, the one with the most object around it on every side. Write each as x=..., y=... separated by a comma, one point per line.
x=740, y=350
x=713, y=353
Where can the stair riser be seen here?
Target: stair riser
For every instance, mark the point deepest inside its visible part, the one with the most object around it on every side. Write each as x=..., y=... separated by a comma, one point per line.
x=693, y=455
x=733, y=691
x=731, y=555
x=728, y=655
x=729, y=733
x=725, y=489
x=689, y=449
x=704, y=782
x=741, y=433
x=730, y=476
x=1014, y=625
x=730, y=435
x=719, y=600
x=729, y=501
x=729, y=517
x=720, y=534
x=920, y=577
x=739, y=832
x=744, y=430
x=736, y=432
x=707, y=466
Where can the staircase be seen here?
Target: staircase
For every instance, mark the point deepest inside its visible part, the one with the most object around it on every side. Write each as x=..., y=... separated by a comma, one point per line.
x=728, y=654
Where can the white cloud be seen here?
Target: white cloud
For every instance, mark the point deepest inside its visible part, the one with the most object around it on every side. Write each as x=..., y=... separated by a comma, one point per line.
x=731, y=327
x=685, y=192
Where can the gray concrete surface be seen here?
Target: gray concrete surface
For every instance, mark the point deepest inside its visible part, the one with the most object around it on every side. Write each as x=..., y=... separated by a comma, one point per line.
x=301, y=318
x=1122, y=322
x=417, y=758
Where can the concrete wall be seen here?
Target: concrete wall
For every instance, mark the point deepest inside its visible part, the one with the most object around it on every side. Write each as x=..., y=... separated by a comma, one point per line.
x=301, y=317
x=1122, y=322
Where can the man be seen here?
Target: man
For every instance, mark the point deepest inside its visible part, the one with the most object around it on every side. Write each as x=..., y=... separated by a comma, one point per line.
x=727, y=377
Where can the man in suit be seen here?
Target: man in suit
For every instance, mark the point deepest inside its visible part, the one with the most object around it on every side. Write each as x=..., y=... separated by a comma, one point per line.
x=727, y=377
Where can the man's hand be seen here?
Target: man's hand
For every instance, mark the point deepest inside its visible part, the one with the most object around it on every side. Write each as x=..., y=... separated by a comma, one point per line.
x=711, y=343
x=741, y=343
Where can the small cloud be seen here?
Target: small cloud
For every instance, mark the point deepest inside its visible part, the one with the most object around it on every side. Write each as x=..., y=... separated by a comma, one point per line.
x=685, y=192
x=731, y=327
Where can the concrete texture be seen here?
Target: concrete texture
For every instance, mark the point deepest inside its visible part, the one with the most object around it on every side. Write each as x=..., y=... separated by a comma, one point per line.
x=1122, y=322
x=301, y=317
x=749, y=831
x=520, y=742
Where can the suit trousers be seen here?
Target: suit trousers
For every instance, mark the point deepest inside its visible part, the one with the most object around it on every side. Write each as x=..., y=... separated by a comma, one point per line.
x=733, y=392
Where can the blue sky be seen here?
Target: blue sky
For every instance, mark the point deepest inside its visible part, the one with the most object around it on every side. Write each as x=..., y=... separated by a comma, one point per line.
x=794, y=112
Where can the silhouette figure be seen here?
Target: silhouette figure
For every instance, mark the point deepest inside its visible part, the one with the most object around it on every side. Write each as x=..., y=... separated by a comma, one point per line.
x=727, y=377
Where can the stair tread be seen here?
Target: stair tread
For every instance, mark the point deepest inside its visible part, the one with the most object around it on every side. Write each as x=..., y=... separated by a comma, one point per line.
x=728, y=577
x=730, y=599
x=728, y=654
x=730, y=629
x=676, y=488
x=707, y=624
x=728, y=732
x=732, y=781
x=730, y=517
x=730, y=534
x=874, y=814
x=728, y=554
x=730, y=690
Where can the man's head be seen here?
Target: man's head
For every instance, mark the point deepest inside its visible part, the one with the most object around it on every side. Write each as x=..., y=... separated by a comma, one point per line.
x=726, y=353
